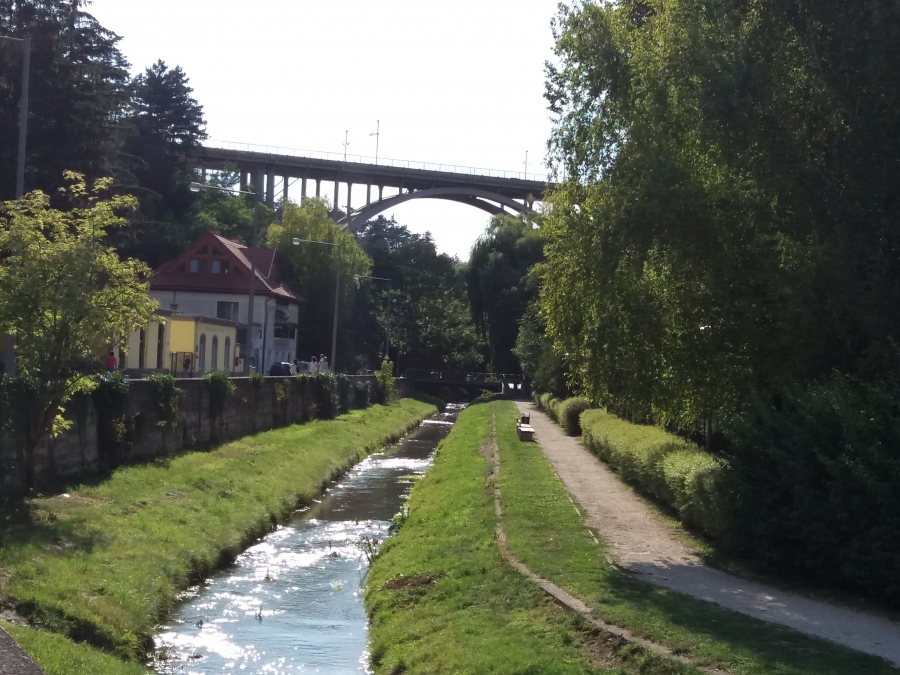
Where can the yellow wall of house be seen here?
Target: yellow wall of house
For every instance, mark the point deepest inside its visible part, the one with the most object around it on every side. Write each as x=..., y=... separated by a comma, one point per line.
x=215, y=358
x=151, y=348
x=181, y=333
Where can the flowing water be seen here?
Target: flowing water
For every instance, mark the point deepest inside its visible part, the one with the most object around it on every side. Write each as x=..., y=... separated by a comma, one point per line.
x=293, y=602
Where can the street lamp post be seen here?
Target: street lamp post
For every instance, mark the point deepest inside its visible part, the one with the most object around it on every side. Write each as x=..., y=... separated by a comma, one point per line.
x=337, y=290
x=387, y=328
x=23, y=112
x=196, y=187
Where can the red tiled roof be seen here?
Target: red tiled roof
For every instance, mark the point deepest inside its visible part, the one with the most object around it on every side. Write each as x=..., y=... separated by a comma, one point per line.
x=267, y=281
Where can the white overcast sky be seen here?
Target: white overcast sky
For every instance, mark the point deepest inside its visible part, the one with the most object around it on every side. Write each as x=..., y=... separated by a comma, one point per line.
x=455, y=82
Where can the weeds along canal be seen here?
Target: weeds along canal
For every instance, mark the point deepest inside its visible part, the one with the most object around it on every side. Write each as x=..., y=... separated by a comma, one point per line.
x=292, y=603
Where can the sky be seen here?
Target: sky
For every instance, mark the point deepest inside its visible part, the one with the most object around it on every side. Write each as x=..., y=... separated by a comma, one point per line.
x=458, y=82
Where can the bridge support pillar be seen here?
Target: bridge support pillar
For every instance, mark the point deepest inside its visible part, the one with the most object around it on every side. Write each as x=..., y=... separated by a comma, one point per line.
x=259, y=183
x=270, y=188
x=337, y=187
x=245, y=180
x=368, y=194
x=349, y=196
x=303, y=188
x=318, y=185
x=284, y=193
x=380, y=192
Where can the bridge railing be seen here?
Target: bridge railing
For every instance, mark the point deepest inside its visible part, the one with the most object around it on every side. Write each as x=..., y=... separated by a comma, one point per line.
x=380, y=161
x=456, y=376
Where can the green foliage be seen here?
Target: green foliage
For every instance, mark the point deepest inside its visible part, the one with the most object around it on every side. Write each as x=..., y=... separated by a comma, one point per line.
x=78, y=89
x=64, y=295
x=385, y=378
x=430, y=319
x=310, y=269
x=663, y=466
x=328, y=402
x=500, y=286
x=345, y=392
x=568, y=414
x=166, y=398
x=110, y=397
x=148, y=531
x=219, y=387
x=362, y=395
x=816, y=485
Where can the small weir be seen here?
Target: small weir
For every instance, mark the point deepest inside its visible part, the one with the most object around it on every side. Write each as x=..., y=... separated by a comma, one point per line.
x=292, y=603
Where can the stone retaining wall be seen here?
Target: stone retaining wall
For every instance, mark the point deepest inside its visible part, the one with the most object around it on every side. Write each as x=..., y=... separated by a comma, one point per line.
x=75, y=452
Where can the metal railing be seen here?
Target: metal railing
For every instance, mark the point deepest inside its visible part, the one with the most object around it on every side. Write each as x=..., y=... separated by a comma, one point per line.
x=381, y=161
x=453, y=376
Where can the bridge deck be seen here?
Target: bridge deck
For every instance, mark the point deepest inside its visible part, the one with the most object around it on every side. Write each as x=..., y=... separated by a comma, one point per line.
x=360, y=173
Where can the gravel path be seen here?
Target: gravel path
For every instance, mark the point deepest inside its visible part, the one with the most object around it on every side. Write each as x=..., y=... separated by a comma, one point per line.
x=644, y=544
x=13, y=661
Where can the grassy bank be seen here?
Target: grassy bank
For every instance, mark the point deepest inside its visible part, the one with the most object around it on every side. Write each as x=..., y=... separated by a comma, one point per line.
x=547, y=534
x=441, y=599
x=103, y=563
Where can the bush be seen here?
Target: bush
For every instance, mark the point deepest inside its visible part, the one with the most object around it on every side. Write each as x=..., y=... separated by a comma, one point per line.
x=362, y=394
x=816, y=488
x=547, y=403
x=327, y=398
x=345, y=392
x=663, y=466
x=385, y=378
x=568, y=413
x=110, y=399
x=219, y=387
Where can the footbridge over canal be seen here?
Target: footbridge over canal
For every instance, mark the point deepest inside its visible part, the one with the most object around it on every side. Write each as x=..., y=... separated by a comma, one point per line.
x=386, y=182
x=513, y=386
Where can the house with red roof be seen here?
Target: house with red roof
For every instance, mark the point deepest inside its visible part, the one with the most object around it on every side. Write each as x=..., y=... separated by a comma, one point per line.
x=213, y=279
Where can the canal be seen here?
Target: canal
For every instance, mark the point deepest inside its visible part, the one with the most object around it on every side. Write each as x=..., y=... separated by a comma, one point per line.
x=292, y=603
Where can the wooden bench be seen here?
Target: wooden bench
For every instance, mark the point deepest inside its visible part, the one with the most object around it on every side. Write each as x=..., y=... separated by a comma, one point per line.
x=525, y=431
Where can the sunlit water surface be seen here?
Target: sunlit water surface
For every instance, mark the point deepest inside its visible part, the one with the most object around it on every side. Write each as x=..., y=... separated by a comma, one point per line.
x=293, y=602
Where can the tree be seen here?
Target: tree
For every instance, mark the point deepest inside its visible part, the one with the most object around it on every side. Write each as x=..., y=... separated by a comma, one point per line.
x=78, y=89
x=310, y=269
x=499, y=286
x=66, y=298
x=164, y=123
x=430, y=320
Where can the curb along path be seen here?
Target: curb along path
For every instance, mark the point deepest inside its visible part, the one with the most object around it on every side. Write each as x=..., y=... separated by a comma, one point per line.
x=13, y=661
x=648, y=547
x=491, y=453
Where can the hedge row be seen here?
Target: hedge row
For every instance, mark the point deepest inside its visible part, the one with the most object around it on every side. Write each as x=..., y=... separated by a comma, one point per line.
x=663, y=466
x=565, y=412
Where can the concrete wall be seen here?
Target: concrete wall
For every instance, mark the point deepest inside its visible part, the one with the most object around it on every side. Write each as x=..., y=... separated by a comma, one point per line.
x=75, y=452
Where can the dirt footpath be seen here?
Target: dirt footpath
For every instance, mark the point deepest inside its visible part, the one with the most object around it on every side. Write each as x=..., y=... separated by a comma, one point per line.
x=646, y=545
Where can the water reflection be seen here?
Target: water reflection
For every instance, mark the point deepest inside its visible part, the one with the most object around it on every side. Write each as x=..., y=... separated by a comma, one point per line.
x=293, y=602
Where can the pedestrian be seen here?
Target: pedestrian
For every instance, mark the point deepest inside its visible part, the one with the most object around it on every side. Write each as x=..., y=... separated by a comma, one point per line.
x=186, y=362
x=111, y=363
x=323, y=363
x=294, y=367
x=313, y=365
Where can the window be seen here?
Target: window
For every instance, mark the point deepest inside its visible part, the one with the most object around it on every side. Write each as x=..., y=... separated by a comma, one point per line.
x=215, y=266
x=202, y=352
x=227, y=311
x=227, y=363
x=198, y=265
x=214, y=361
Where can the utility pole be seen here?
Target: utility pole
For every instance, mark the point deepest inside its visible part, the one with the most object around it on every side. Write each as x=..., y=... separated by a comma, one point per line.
x=526, y=165
x=377, y=136
x=346, y=143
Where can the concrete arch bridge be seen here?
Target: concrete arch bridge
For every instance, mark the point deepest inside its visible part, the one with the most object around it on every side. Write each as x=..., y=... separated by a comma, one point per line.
x=492, y=191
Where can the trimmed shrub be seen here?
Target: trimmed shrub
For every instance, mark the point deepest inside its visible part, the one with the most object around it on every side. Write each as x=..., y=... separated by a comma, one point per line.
x=327, y=398
x=547, y=403
x=385, y=378
x=568, y=414
x=663, y=466
x=345, y=392
x=362, y=394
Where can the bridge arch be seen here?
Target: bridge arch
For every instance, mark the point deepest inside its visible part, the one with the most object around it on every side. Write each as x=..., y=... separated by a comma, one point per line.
x=488, y=201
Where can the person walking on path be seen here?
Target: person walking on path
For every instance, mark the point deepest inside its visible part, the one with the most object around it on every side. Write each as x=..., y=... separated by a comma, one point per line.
x=323, y=363
x=13, y=661
x=646, y=545
x=111, y=363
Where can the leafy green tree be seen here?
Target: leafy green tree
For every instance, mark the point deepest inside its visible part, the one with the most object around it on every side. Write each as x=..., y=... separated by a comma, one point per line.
x=163, y=124
x=77, y=93
x=310, y=269
x=499, y=285
x=430, y=320
x=65, y=296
